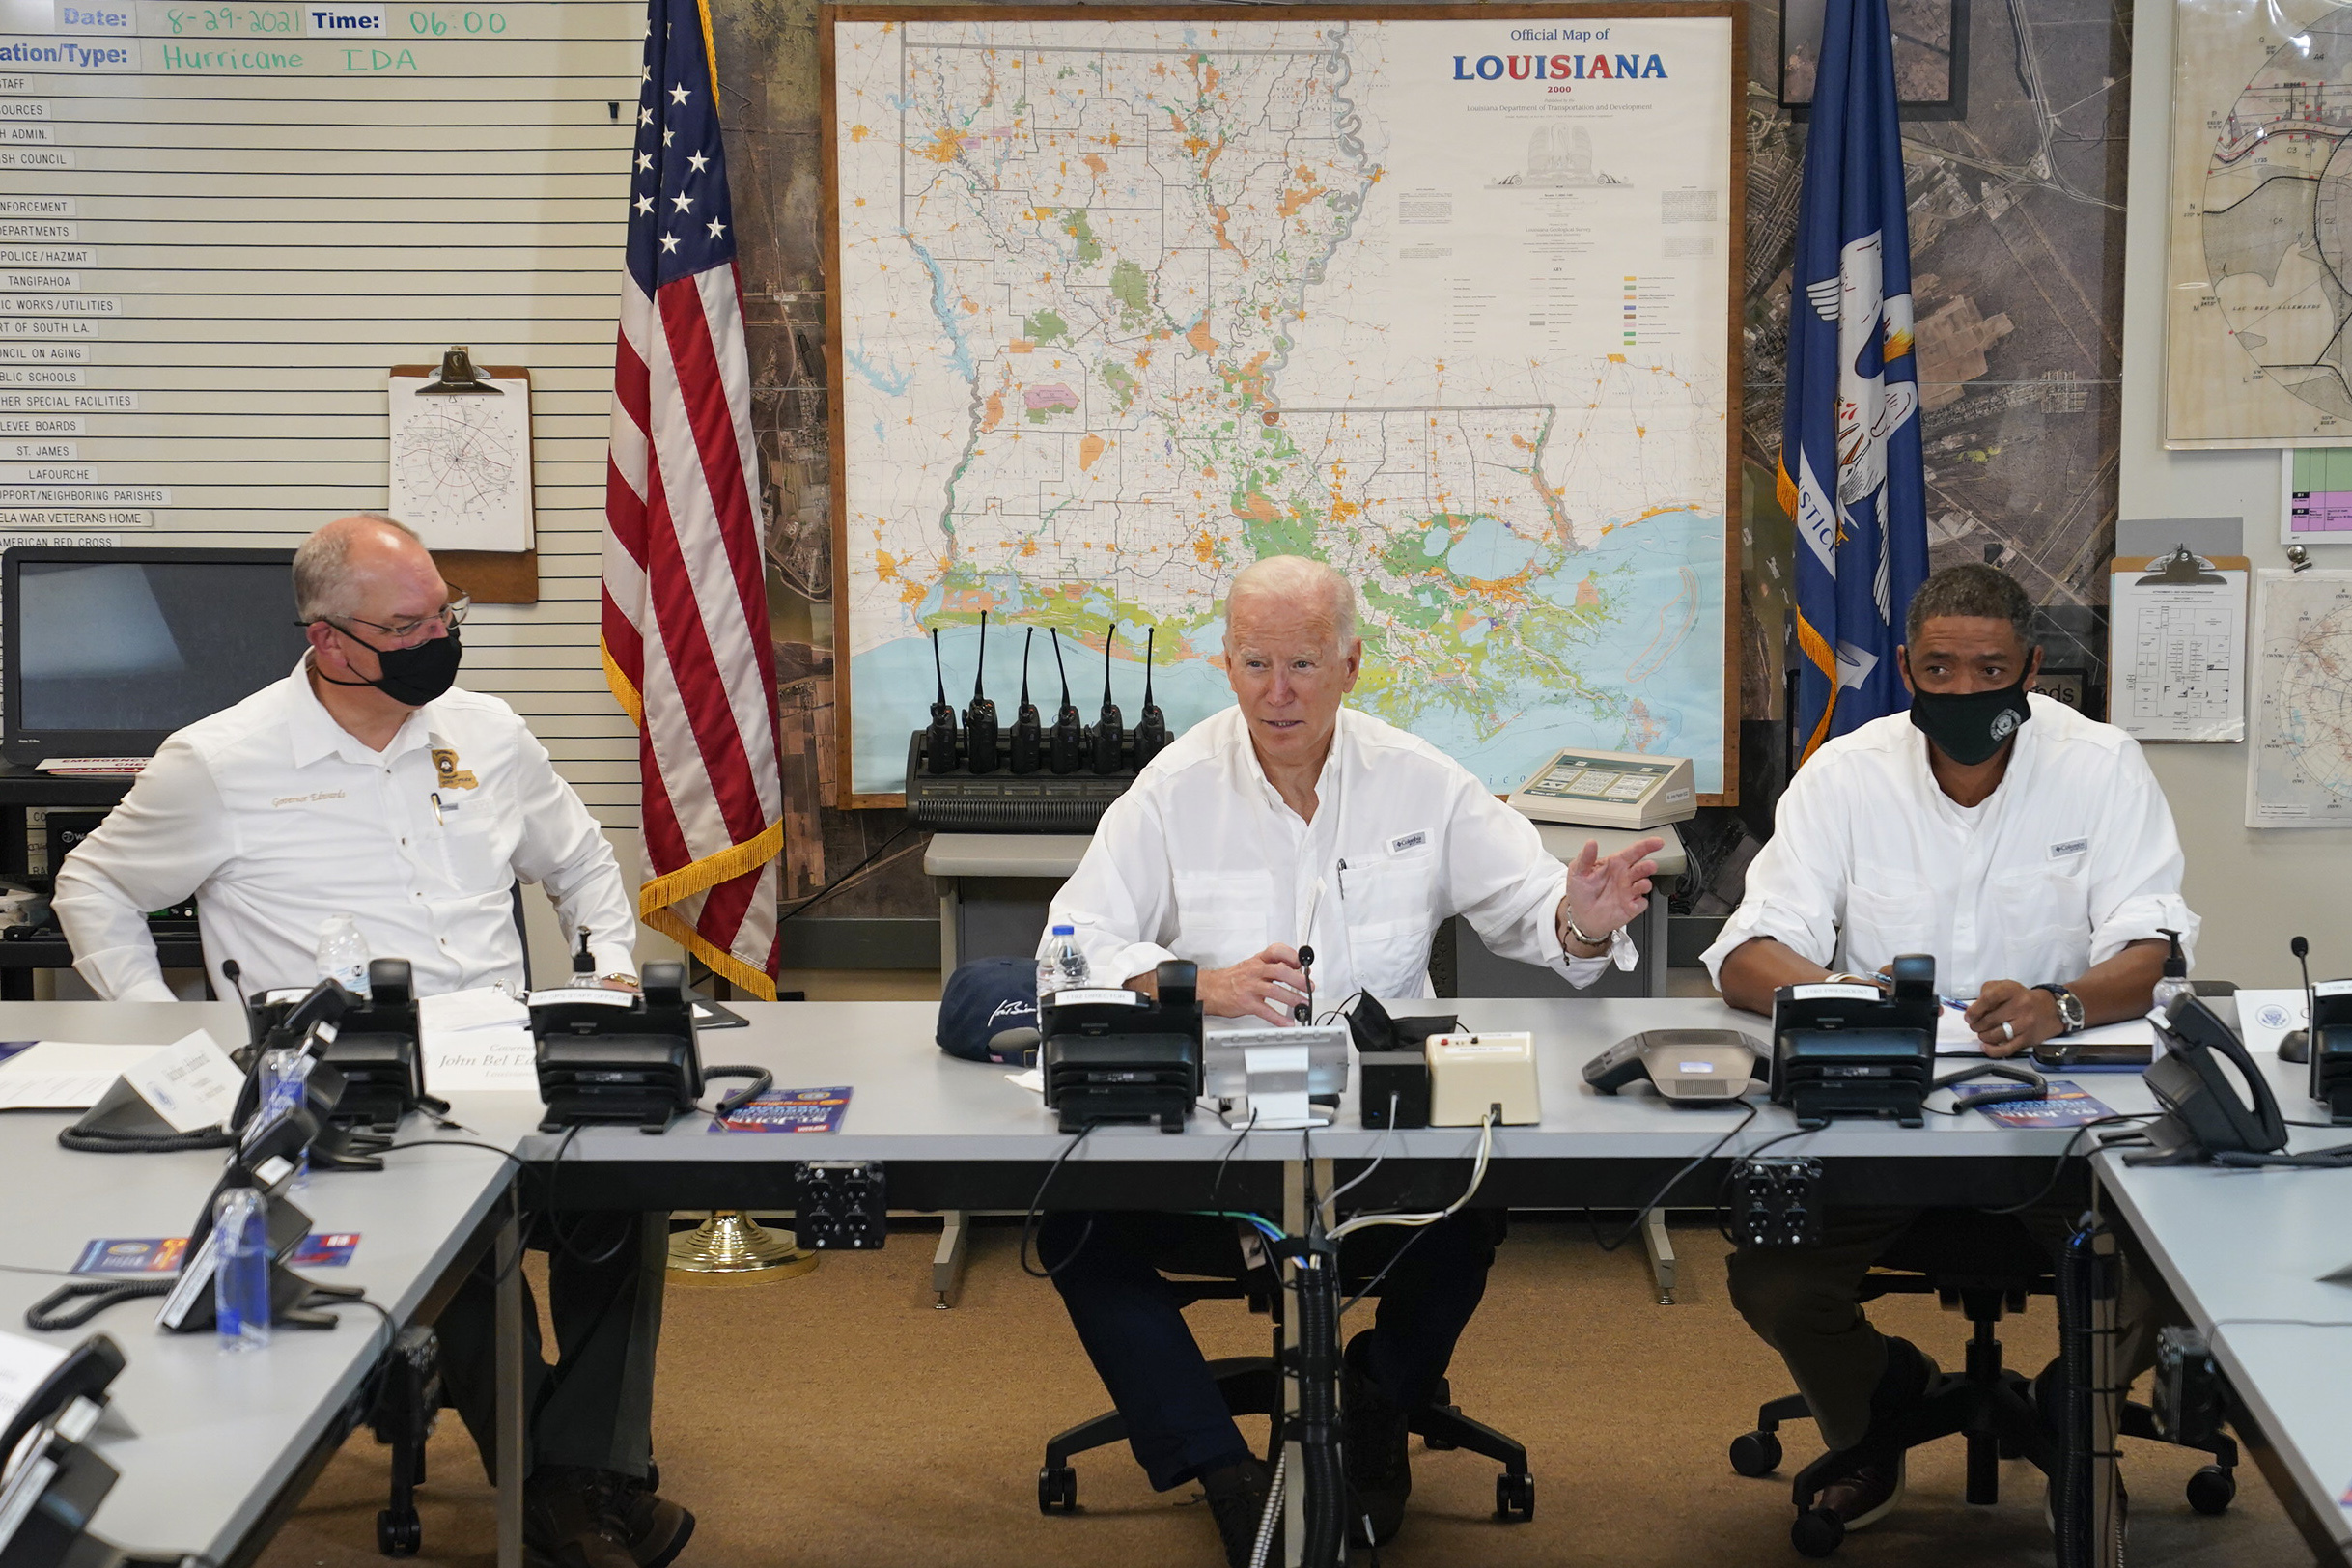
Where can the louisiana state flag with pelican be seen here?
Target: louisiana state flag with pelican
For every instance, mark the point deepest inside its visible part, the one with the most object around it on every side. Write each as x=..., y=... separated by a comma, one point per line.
x=1850, y=470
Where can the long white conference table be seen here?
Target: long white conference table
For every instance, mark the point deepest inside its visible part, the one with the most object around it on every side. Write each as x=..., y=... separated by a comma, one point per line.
x=225, y=1444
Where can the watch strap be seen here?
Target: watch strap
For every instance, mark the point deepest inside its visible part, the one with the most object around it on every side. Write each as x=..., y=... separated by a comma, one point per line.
x=2069, y=1006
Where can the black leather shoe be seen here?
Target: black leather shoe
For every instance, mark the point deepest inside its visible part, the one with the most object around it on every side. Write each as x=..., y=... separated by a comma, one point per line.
x=1237, y=1497
x=1375, y=1434
x=1864, y=1490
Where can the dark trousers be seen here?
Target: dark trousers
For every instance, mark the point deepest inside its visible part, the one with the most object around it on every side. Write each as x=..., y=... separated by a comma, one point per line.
x=1127, y=1313
x=1805, y=1301
x=593, y=1408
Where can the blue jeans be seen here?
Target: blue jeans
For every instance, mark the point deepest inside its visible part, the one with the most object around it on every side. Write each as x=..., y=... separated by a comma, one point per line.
x=1107, y=1268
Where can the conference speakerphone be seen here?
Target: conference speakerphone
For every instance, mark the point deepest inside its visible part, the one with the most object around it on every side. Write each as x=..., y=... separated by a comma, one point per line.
x=1609, y=789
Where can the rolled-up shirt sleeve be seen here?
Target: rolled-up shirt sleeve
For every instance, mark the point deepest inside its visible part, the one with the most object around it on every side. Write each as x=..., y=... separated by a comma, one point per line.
x=1508, y=887
x=564, y=851
x=1795, y=885
x=1120, y=903
x=163, y=844
x=2136, y=870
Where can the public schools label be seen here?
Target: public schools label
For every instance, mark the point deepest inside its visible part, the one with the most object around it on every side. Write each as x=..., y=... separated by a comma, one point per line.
x=44, y=402
x=47, y=518
x=60, y=305
x=70, y=54
x=40, y=375
x=15, y=157
x=47, y=495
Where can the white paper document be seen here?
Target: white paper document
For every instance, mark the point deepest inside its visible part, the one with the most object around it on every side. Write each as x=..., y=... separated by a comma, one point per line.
x=461, y=465
x=477, y=1039
x=60, y=1075
x=1955, y=1038
x=2177, y=650
x=191, y=1084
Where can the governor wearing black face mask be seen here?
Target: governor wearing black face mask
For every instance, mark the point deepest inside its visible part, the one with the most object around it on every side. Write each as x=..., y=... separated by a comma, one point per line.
x=2030, y=850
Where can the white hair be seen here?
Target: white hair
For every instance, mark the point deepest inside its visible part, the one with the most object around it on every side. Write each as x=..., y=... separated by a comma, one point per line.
x=1288, y=577
x=321, y=579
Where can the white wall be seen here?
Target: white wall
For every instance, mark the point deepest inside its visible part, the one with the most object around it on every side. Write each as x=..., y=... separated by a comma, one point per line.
x=2252, y=888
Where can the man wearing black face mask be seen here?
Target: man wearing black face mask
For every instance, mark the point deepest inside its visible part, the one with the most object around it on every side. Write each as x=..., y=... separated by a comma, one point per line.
x=367, y=783
x=2031, y=851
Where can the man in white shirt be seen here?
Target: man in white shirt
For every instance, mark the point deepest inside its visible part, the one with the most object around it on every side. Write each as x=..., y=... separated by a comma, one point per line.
x=365, y=782
x=2029, y=849
x=1286, y=823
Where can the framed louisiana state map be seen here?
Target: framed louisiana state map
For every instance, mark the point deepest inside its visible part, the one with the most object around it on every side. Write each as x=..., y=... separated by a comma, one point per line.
x=1122, y=299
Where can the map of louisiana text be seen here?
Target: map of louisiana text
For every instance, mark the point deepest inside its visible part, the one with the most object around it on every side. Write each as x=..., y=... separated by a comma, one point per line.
x=1124, y=306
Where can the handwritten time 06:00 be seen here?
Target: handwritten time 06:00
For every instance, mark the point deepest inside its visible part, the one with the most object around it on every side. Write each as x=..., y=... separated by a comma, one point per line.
x=287, y=21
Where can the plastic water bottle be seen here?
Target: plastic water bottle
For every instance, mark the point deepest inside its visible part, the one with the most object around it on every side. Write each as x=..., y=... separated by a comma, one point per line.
x=343, y=954
x=241, y=1270
x=1063, y=966
x=285, y=1080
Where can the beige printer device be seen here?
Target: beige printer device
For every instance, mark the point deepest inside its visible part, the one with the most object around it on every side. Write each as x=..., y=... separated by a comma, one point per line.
x=1609, y=789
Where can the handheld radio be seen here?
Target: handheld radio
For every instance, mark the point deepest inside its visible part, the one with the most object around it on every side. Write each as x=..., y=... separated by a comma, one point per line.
x=1151, y=725
x=980, y=718
x=1109, y=737
x=1067, y=749
x=940, y=740
x=1029, y=734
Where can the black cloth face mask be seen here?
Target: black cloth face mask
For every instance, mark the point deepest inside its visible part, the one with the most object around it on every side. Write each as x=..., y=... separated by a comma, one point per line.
x=411, y=677
x=1970, y=726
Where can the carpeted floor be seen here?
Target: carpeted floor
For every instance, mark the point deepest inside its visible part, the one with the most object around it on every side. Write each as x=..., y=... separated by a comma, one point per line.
x=840, y=1420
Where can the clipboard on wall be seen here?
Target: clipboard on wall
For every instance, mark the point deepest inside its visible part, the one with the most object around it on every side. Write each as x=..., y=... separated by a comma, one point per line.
x=478, y=455
x=2176, y=646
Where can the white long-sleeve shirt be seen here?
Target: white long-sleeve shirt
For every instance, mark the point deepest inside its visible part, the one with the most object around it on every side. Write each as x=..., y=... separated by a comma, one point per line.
x=1202, y=859
x=2069, y=859
x=275, y=816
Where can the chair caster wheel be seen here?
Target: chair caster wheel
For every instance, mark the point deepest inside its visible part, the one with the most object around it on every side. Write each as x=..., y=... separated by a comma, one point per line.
x=1755, y=1453
x=1817, y=1533
x=1514, y=1497
x=2211, y=1488
x=1057, y=1490
x=399, y=1532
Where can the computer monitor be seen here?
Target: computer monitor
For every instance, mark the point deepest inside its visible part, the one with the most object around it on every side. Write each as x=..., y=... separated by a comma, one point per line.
x=107, y=650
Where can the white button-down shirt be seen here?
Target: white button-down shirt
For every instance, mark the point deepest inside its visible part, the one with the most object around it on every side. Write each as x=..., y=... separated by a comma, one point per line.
x=1202, y=859
x=275, y=816
x=2071, y=858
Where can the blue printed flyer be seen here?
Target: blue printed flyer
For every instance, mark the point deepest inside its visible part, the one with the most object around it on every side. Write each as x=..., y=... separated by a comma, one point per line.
x=162, y=1254
x=2062, y=1104
x=788, y=1110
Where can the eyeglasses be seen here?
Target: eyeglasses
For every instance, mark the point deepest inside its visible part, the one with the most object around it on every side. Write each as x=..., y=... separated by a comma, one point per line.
x=449, y=615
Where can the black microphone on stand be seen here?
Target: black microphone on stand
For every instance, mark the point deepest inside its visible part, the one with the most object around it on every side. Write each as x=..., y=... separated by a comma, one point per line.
x=2295, y=1045
x=1029, y=734
x=233, y=973
x=1305, y=1012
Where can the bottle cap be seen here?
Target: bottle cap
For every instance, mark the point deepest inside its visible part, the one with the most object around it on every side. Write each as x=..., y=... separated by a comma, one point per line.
x=1063, y=930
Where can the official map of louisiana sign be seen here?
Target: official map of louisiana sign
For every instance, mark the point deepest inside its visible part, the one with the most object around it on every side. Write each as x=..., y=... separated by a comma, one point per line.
x=1125, y=300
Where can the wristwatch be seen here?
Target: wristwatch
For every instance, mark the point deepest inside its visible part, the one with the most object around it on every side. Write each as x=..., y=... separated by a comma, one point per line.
x=2069, y=1005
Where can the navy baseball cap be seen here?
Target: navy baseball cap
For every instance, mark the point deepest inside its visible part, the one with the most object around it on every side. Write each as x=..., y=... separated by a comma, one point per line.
x=988, y=1012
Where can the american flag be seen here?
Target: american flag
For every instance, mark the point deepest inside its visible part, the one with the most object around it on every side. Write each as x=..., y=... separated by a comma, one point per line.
x=687, y=647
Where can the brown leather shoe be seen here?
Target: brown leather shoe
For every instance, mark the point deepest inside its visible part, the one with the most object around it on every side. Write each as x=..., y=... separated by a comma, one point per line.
x=1864, y=1490
x=657, y=1528
x=568, y=1524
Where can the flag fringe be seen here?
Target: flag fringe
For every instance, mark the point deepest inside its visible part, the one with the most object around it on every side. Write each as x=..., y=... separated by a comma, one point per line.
x=624, y=690
x=725, y=965
x=1817, y=649
x=659, y=893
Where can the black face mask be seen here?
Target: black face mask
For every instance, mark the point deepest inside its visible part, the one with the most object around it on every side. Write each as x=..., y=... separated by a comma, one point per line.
x=1970, y=726
x=411, y=677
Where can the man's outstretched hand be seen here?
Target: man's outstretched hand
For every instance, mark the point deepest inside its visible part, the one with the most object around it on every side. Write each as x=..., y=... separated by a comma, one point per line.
x=1605, y=894
x=1268, y=986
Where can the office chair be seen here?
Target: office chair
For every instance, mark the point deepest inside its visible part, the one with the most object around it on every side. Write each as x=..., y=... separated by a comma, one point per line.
x=1985, y=1266
x=1252, y=1386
